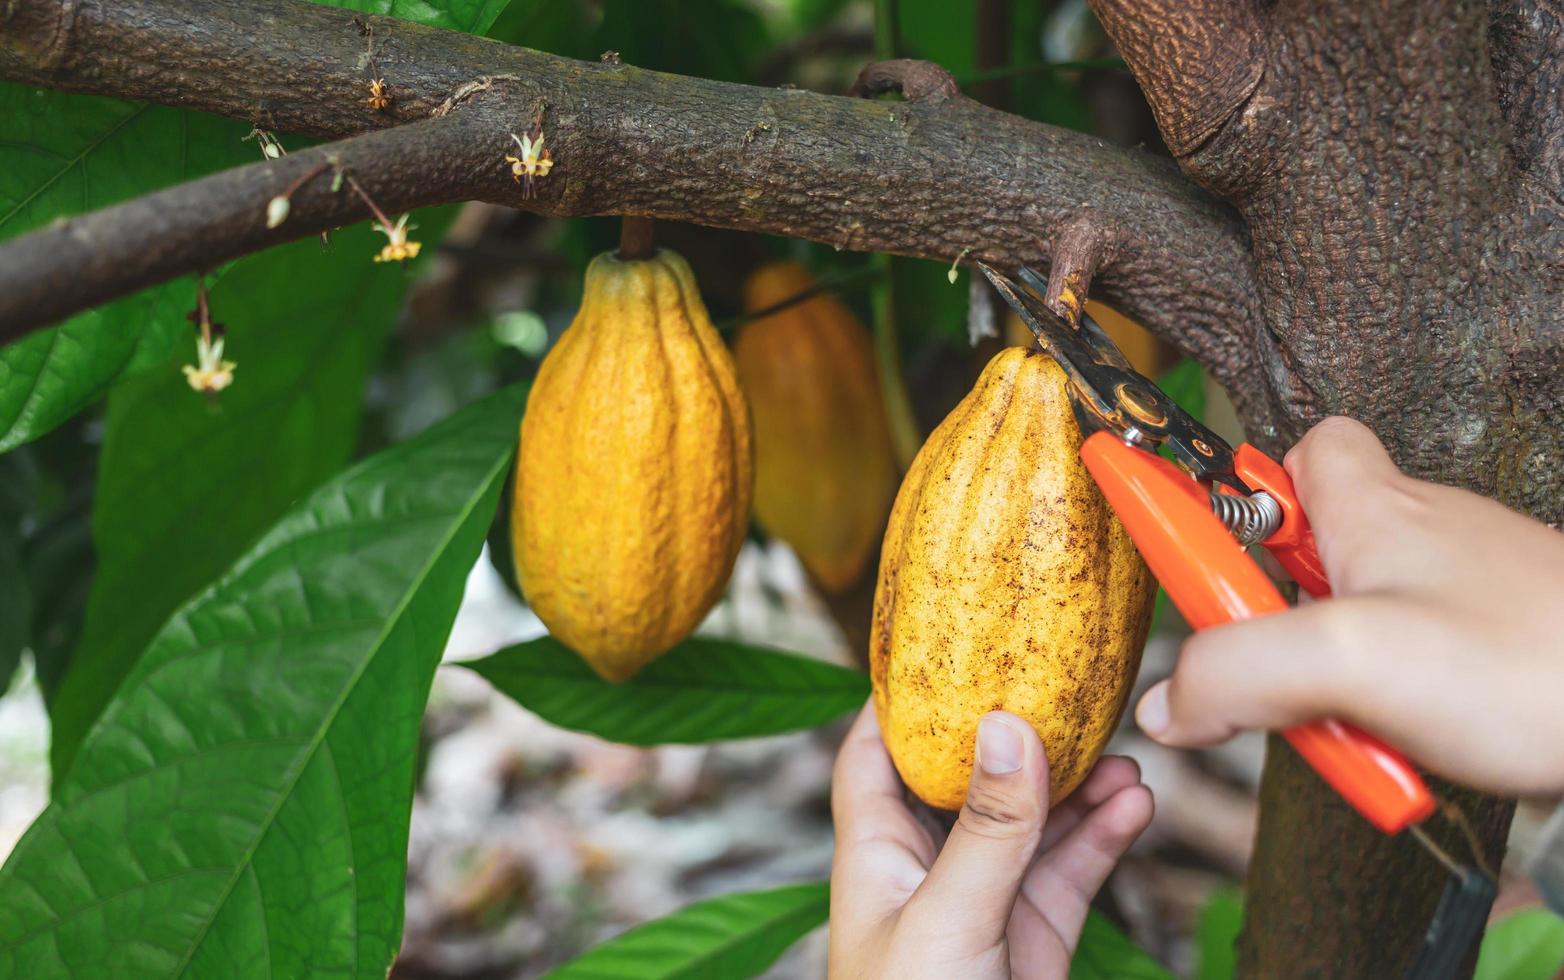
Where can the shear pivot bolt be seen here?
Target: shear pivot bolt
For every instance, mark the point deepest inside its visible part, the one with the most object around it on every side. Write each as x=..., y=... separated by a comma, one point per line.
x=1140, y=404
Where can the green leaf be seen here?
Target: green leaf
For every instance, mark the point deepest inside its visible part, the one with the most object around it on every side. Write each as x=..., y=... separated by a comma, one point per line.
x=703, y=690
x=63, y=154
x=241, y=809
x=45, y=498
x=186, y=483
x=718, y=39
x=944, y=33
x=66, y=154
x=472, y=16
x=729, y=937
x=1522, y=946
x=1105, y=953
x=16, y=605
x=1216, y=935
x=546, y=25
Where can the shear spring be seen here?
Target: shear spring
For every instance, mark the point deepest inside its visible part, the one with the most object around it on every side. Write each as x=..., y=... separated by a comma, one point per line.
x=1251, y=519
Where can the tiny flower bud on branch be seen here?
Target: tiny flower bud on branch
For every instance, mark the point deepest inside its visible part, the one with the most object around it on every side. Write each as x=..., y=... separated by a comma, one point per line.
x=534, y=162
x=379, y=99
x=398, y=248
x=271, y=148
x=210, y=373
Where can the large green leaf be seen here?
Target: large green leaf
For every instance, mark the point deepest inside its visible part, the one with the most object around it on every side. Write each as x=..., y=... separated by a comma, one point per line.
x=185, y=484
x=722, y=938
x=66, y=154
x=1105, y=953
x=1522, y=946
x=241, y=808
x=703, y=690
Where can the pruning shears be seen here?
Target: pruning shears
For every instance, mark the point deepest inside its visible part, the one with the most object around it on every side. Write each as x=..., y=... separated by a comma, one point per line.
x=1192, y=523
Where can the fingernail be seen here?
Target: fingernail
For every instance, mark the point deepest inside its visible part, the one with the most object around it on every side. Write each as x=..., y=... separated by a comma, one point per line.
x=1152, y=712
x=998, y=746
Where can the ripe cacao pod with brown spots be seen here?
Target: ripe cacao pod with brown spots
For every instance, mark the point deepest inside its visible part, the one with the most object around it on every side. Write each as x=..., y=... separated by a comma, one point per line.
x=825, y=469
x=634, y=473
x=1006, y=583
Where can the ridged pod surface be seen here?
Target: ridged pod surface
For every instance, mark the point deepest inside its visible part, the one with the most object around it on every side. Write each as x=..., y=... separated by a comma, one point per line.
x=635, y=469
x=825, y=469
x=1006, y=583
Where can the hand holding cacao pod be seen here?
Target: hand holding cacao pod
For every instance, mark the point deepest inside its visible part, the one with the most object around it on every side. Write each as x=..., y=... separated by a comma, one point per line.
x=825, y=469
x=634, y=473
x=1006, y=583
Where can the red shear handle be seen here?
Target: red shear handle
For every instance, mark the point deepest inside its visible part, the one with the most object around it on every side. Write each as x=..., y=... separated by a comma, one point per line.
x=1293, y=542
x=1212, y=581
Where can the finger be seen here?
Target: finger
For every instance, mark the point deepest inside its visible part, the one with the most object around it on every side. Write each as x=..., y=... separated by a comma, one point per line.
x=868, y=800
x=1060, y=886
x=1359, y=504
x=1263, y=673
x=972, y=887
x=1111, y=774
x=1333, y=457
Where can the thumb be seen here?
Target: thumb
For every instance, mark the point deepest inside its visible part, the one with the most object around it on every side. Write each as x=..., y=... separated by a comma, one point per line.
x=972, y=887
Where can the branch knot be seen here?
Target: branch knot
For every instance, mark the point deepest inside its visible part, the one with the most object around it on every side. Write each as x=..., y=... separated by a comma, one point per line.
x=917, y=81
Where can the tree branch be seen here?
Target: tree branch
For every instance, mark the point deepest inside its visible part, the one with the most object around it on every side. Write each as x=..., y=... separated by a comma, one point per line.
x=77, y=263
x=922, y=179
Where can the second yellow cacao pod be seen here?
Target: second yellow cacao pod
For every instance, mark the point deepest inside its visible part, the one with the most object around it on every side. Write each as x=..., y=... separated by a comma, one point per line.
x=825, y=469
x=1006, y=583
x=634, y=472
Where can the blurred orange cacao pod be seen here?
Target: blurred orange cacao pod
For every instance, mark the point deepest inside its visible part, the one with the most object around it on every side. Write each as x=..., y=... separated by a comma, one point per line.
x=825, y=469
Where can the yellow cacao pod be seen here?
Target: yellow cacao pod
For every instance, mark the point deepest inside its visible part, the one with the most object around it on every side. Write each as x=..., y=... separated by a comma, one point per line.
x=1150, y=354
x=634, y=472
x=825, y=470
x=1006, y=583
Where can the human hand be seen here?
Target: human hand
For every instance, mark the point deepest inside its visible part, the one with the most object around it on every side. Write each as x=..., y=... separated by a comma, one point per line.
x=1446, y=636
x=1006, y=895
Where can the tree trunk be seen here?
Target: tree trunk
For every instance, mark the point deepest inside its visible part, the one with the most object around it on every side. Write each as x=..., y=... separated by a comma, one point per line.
x=1406, y=238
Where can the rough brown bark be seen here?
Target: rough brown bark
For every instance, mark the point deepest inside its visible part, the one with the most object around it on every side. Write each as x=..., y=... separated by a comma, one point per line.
x=925, y=179
x=1397, y=166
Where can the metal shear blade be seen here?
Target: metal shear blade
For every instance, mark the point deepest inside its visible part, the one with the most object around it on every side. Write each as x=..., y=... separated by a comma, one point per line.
x=1108, y=392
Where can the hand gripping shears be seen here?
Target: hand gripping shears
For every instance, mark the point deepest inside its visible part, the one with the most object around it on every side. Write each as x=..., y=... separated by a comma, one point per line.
x=1192, y=523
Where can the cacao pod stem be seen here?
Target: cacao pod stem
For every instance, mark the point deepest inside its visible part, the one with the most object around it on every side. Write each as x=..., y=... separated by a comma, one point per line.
x=637, y=238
